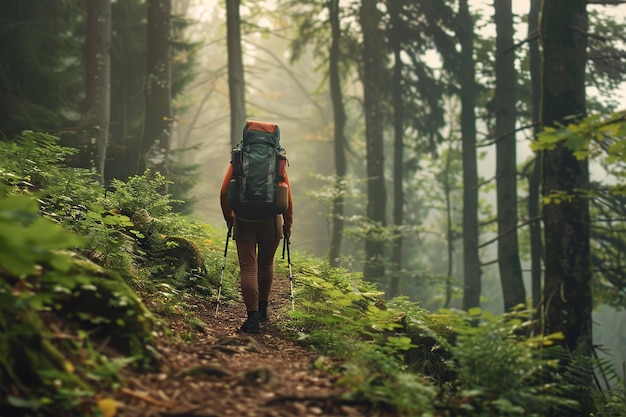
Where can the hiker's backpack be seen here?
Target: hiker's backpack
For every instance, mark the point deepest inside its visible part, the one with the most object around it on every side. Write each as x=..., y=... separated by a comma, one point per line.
x=258, y=190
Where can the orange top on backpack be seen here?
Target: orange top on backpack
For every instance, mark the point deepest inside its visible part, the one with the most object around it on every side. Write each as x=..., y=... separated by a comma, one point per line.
x=261, y=126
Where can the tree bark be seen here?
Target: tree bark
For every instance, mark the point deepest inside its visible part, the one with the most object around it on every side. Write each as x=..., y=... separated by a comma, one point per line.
x=236, y=80
x=374, y=269
x=567, y=297
x=513, y=291
x=339, y=114
x=471, y=260
x=98, y=82
x=534, y=180
x=155, y=149
x=447, y=189
x=398, y=154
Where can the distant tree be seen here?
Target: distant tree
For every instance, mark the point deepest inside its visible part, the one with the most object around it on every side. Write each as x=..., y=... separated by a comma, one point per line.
x=505, y=103
x=155, y=144
x=460, y=63
x=567, y=300
x=395, y=13
x=451, y=31
x=236, y=80
x=371, y=72
x=128, y=82
x=468, y=92
x=339, y=115
x=98, y=81
x=40, y=76
x=415, y=105
x=534, y=178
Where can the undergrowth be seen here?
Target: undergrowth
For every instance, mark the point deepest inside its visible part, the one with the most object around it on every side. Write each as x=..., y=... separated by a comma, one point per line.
x=399, y=356
x=73, y=258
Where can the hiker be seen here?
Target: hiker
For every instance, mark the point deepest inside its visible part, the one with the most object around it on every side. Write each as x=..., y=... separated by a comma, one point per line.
x=256, y=239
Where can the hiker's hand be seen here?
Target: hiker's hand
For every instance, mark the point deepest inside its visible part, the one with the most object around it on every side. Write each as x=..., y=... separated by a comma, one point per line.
x=287, y=233
x=230, y=220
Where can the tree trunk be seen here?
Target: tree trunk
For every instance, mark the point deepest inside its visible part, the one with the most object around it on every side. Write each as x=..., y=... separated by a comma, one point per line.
x=471, y=260
x=374, y=269
x=398, y=155
x=506, y=170
x=155, y=149
x=339, y=134
x=534, y=180
x=567, y=297
x=447, y=189
x=236, y=80
x=98, y=81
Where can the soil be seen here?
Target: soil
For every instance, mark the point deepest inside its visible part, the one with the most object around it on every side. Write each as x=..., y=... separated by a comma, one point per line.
x=227, y=373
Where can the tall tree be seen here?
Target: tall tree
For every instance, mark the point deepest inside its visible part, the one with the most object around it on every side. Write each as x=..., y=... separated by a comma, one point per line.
x=236, y=80
x=339, y=125
x=371, y=69
x=155, y=149
x=395, y=7
x=506, y=170
x=416, y=105
x=457, y=52
x=98, y=79
x=534, y=179
x=128, y=78
x=567, y=301
x=468, y=92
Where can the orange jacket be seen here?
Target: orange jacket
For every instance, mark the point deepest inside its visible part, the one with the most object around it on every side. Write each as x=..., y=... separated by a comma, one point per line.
x=228, y=212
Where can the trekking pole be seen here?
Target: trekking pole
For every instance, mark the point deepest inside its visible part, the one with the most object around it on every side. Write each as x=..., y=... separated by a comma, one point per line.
x=219, y=292
x=286, y=244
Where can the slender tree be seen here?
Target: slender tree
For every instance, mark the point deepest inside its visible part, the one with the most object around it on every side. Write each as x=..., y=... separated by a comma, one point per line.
x=567, y=301
x=468, y=93
x=457, y=53
x=506, y=171
x=339, y=115
x=236, y=80
x=155, y=150
x=447, y=183
x=98, y=79
x=534, y=179
x=128, y=81
x=371, y=69
x=395, y=7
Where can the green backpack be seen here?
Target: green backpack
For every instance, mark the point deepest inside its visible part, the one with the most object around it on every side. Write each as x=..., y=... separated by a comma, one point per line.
x=258, y=190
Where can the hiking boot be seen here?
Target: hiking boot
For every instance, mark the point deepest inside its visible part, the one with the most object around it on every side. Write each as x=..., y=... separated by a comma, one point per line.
x=263, y=310
x=251, y=325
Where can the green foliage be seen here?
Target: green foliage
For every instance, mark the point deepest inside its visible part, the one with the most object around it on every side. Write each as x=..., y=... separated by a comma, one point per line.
x=33, y=159
x=35, y=275
x=74, y=199
x=341, y=315
x=612, y=401
x=588, y=137
x=28, y=240
x=41, y=203
x=141, y=192
x=601, y=140
x=396, y=354
x=499, y=371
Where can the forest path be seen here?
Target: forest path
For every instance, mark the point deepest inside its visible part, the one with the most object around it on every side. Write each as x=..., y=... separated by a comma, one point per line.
x=226, y=373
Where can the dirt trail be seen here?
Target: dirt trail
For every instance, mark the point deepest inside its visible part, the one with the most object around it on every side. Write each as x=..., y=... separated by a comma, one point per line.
x=225, y=373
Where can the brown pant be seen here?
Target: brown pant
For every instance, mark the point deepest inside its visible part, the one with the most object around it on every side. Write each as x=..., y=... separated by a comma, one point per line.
x=256, y=246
